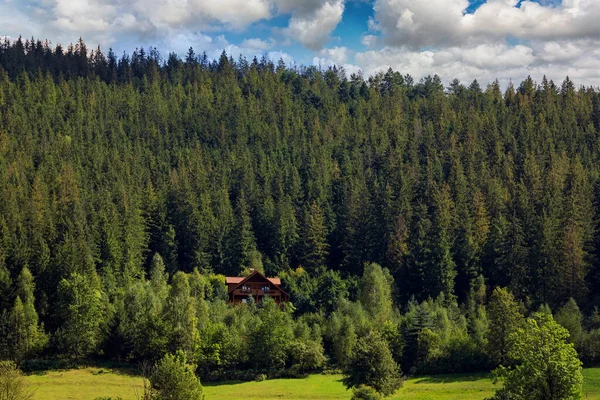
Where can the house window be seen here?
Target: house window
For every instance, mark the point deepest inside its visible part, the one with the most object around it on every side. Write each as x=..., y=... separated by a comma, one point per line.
x=245, y=300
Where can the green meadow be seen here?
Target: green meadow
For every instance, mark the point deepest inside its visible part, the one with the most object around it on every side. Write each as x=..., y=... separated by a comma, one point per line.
x=90, y=383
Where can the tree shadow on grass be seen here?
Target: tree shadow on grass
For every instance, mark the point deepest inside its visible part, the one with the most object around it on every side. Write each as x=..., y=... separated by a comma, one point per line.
x=451, y=378
x=99, y=367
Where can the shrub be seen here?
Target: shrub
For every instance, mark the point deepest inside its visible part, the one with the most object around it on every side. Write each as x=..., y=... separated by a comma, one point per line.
x=174, y=379
x=12, y=383
x=364, y=392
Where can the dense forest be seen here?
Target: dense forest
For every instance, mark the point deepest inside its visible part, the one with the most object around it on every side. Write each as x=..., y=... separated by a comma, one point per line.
x=398, y=212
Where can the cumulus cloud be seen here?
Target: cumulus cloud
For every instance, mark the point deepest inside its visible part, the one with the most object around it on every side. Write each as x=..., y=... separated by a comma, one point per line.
x=150, y=21
x=504, y=39
x=487, y=62
x=337, y=56
x=14, y=22
x=257, y=44
x=444, y=22
x=419, y=23
x=235, y=14
x=312, y=28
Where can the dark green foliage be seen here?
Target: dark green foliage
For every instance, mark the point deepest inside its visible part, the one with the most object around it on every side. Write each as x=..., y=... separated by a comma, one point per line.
x=372, y=365
x=173, y=379
x=314, y=249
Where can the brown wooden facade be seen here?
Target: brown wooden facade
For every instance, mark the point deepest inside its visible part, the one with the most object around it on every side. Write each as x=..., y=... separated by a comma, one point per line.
x=256, y=285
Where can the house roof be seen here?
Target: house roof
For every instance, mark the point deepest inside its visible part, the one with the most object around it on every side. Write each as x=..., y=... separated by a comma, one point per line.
x=239, y=280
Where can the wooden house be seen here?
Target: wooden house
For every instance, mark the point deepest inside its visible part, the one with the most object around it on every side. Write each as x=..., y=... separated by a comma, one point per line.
x=256, y=285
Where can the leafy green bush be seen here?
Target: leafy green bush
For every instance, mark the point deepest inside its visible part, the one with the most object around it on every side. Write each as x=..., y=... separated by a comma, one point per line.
x=364, y=392
x=12, y=383
x=174, y=379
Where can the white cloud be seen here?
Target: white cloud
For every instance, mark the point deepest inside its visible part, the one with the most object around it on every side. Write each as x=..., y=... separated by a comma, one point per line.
x=257, y=44
x=14, y=22
x=336, y=56
x=488, y=62
x=369, y=41
x=504, y=39
x=418, y=23
x=234, y=14
x=339, y=55
x=313, y=29
x=106, y=22
x=275, y=56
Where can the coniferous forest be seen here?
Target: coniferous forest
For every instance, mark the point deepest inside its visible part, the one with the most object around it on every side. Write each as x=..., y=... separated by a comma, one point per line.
x=407, y=219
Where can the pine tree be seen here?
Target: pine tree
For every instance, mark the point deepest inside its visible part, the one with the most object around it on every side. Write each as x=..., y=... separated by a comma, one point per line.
x=314, y=248
x=505, y=318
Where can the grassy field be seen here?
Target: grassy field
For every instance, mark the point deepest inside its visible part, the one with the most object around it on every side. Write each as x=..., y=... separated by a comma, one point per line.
x=90, y=383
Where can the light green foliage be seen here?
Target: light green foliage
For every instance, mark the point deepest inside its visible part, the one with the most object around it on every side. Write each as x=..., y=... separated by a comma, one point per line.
x=217, y=289
x=372, y=364
x=392, y=334
x=141, y=324
x=215, y=339
x=547, y=366
x=571, y=318
x=504, y=318
x=180, y=314
x=438, y=340
x=477, y=319
x=376, y=292
x=341, y=333
x=306, y=355
x=270, y=337
x=159, y=278
x=174, y=379
x=81, y=312
x=12, y=383
x=364, y=392
x=26, y=336
x=18, y=331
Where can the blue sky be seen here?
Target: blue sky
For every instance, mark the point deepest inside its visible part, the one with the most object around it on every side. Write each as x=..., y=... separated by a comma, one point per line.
x=477, y=39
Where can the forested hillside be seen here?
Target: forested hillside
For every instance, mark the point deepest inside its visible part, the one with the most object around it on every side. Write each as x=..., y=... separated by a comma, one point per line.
x=129, y=185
